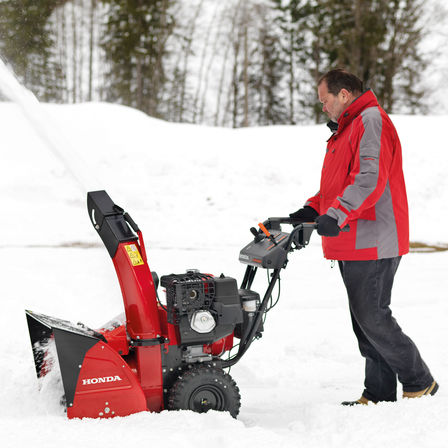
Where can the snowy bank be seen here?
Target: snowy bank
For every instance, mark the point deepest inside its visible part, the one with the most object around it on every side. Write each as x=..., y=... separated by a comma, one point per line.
x=195, y=191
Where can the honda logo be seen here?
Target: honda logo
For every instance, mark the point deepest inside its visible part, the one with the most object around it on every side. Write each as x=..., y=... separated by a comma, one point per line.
x=104, y=379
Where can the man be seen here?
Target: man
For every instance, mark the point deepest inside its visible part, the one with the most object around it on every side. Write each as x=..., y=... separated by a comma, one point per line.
x=362, y=192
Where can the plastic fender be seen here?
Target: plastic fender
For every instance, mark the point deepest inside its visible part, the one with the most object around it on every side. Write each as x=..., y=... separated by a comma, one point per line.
x=106, y=386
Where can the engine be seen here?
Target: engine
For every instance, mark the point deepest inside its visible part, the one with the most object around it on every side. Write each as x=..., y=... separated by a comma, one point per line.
x=204, y=308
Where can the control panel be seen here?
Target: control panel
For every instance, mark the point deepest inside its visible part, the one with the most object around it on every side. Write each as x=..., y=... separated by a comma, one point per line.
x=266, y=252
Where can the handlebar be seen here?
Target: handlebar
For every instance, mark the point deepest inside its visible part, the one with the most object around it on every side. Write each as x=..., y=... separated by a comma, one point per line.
x=301, y=233
x=274, y=223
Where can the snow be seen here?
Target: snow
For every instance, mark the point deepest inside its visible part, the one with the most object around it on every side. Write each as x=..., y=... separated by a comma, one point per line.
x=195, y=192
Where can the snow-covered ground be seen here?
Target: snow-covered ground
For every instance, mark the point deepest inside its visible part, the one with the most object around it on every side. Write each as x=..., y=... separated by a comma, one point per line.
x=195, y=191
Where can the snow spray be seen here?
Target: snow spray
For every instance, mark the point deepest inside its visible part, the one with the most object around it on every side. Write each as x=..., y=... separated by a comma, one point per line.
x=41, y=122
x=51, y=390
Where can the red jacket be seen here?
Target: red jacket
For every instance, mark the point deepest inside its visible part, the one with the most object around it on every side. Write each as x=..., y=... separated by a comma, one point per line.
x=362, y=185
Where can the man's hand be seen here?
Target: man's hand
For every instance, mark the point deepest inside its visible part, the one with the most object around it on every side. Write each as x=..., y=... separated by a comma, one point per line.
x=305, y=214
x=327, y=226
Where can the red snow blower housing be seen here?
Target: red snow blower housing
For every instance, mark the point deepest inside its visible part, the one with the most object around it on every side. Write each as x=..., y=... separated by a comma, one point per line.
x=162, y=356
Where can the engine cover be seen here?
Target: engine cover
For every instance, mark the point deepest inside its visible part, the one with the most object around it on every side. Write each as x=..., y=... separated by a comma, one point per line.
x=194, y=298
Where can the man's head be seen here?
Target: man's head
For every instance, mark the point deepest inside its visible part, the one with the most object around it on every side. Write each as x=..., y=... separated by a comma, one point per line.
x=337, y=89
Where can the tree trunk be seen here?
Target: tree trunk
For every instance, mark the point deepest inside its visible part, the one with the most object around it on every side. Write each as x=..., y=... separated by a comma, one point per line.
x=245, y=69
x=235, y=81
x=186, y=58
x=91, y=46
x=224, y=63
x=203, y=56
x=291, y=83
x=74, y=47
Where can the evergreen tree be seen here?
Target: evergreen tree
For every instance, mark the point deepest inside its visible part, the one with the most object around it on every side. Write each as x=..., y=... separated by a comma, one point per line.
x=402, y=62
x=293, y=21
x=135, y=47
x=257, y=91
x=378, y=41
x=263, y=61
x=27, y=44
x=268, y=77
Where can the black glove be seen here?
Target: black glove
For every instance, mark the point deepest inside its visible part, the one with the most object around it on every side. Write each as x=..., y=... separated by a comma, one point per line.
x=305, y=214
x=327, y=226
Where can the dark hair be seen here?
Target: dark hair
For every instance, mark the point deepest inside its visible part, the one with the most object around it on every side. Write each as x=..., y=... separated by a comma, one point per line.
x=338, y=79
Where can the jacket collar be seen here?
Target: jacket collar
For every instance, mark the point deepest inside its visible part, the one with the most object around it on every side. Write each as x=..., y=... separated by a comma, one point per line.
x=365, y=100
x=333, y=125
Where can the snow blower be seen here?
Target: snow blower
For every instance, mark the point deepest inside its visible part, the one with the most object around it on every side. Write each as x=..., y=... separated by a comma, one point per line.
x=162, y=356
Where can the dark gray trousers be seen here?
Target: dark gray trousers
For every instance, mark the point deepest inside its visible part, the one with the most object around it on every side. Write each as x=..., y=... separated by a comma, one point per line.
x=388, y=351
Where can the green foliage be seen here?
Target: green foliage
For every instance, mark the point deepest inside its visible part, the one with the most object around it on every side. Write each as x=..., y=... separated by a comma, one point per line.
x=377, y=40
x=266, y=67
x=134, y=44
x=27, y=45
x=280, y=49
x=291, y=23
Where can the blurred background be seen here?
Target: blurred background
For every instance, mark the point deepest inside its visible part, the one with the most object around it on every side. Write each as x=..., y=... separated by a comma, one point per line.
x=231, y=63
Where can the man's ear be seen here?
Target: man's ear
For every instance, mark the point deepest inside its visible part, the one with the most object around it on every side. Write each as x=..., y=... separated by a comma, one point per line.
x=345, y=95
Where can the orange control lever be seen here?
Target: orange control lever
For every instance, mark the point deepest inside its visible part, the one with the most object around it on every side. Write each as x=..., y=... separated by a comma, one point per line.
x=266, y=232
x=264, y=229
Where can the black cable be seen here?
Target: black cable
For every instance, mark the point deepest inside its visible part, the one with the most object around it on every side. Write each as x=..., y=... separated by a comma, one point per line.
x=272, y=305
x=278, y=297
x=229, y=357
x=160, y=303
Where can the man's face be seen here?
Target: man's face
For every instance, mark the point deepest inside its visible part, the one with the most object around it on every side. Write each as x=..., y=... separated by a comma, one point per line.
x=333, y=105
